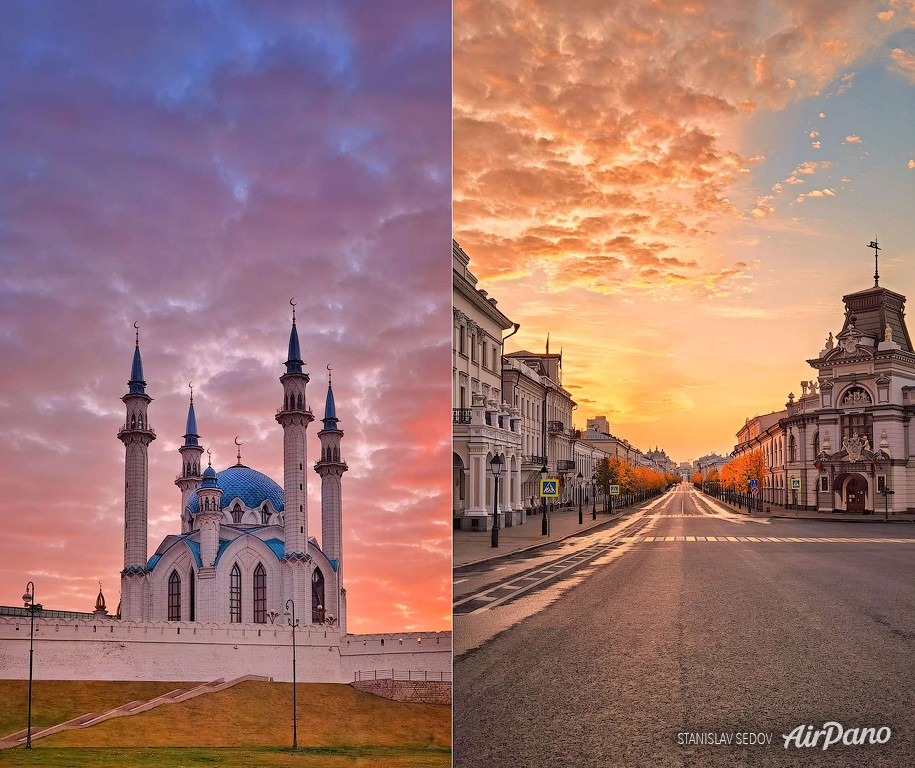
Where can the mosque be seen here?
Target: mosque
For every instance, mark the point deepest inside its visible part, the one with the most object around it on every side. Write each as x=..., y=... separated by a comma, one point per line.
x=211, y=602
x=244, y=548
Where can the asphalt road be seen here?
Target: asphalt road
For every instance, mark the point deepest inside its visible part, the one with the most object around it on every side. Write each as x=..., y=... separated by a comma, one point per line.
x=609, y=660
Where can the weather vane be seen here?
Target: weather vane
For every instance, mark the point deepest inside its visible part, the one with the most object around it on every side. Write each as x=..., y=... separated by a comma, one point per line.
x=873, y=244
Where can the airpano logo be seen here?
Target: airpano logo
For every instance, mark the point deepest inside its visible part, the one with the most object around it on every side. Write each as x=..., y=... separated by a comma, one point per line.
x=835, y=733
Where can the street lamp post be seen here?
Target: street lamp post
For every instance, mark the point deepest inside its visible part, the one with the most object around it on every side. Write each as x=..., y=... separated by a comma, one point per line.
x=293, y=622
x=581, y=520
x=545, y=525
x=496, y=465
x=594, y=497
x=33, y=607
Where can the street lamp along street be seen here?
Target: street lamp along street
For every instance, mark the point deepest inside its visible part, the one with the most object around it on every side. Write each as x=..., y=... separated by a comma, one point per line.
x=580, y=494
x=544, y=525
x=496, y=465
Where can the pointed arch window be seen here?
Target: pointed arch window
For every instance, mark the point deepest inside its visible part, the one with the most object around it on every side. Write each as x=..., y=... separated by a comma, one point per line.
x=174, y=597
x=318, y=607
x=265, y=515
x=235, y=595
x=191, y=597
x=236, y=514
x=260, y=594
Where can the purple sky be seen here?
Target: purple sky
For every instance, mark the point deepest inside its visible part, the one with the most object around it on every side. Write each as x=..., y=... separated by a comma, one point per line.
x=193, y=167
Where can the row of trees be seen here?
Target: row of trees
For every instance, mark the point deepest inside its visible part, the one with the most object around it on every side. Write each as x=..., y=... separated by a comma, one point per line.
x=738, y=472
x=613, y=471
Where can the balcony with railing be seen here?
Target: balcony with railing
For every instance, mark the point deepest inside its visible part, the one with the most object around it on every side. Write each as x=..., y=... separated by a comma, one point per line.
x=554, y=427
x=564, y=465
x=460, y=415
x=537, y=460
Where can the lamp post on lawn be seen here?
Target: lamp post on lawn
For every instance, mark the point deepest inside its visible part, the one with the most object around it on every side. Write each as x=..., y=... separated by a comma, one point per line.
x=496, y=465
x=293, y=622
x=29, y=599
x=545, y=525
x=594, y=496
x=581, y=493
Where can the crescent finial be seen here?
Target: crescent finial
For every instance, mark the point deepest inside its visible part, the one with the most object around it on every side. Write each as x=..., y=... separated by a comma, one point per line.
x=329, y=374
x=292, y=304
x=209, y=457
x=191, y=385
x=236, y=440
x=238, y=455
x=136, y=324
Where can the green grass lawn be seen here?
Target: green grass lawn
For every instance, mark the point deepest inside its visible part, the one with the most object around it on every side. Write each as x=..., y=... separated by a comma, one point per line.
x=55, y=702
x=165, y=757
x=247, y=725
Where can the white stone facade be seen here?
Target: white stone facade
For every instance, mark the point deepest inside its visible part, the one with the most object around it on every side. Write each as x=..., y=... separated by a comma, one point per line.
x=484, y=426
x=850, y=436
x=211, y=601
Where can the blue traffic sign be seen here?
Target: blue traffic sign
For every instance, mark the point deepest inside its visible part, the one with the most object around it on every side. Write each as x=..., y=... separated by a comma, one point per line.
x=549, y=488
x=754, y=484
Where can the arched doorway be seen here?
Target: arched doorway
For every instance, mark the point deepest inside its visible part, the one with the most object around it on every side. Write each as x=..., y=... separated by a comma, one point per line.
x=458, y=489
x=855, y=494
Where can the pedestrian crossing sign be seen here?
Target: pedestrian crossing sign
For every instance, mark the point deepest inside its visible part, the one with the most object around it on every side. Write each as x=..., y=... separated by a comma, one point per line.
x=549, y=488
x=614, y=490
x=795, y=483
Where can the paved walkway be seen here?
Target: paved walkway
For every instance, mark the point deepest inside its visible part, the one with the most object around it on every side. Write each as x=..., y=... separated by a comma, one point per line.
x=776, y=510
x=475, y=546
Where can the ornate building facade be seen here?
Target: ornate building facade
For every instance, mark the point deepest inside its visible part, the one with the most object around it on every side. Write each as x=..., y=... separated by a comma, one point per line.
x=244, y=548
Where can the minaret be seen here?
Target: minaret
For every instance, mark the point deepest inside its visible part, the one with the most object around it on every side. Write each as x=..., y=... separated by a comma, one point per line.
x=191, y=453
x=331, y=468
x=136, y=434
x=209, y=517
x=294, y=416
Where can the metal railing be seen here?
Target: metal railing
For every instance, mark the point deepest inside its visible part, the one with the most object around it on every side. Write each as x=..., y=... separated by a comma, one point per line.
x=460, y=415
x=565, y=464
x=555, y=426
x=538, y=460
x=401, y=674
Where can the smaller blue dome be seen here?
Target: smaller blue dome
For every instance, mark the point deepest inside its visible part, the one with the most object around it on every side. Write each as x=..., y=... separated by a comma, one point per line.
x=209, y=472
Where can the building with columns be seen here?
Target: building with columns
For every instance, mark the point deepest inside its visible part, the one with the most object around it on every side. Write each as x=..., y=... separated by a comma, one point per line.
x=484, y=424
x=850, y=436
x=244, y=548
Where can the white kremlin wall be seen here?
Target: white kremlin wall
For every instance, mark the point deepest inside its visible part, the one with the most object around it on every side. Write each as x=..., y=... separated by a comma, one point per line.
x=106, y=649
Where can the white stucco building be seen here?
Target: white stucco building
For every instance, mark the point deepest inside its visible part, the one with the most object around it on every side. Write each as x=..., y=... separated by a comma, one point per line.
x=484, y=425
x=849, y=435
x=244, y=547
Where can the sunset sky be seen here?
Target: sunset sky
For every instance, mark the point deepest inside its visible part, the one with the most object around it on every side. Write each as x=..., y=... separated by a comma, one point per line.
x=681, y=192
x=193, y=166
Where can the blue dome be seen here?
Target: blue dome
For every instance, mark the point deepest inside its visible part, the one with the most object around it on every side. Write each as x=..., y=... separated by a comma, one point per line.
x=249, y=485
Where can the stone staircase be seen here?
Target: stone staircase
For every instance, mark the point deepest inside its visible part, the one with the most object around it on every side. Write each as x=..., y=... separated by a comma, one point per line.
x=18, y=738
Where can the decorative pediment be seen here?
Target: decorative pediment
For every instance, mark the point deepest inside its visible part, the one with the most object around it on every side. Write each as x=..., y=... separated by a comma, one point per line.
x=856, y=396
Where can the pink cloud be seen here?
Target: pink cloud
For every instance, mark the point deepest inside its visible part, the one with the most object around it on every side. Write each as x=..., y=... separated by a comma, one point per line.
x=195, y=173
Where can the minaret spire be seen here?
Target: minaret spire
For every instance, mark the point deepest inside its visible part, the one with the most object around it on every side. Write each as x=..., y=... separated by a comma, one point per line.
x=294, y=357
x=189, y=478
x=873, y=244
x=331, y=468
x=294, y=416
x=136, y=435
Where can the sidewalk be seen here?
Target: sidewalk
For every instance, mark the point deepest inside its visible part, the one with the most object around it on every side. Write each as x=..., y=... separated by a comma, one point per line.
x=775, y=510
x=472, y=547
